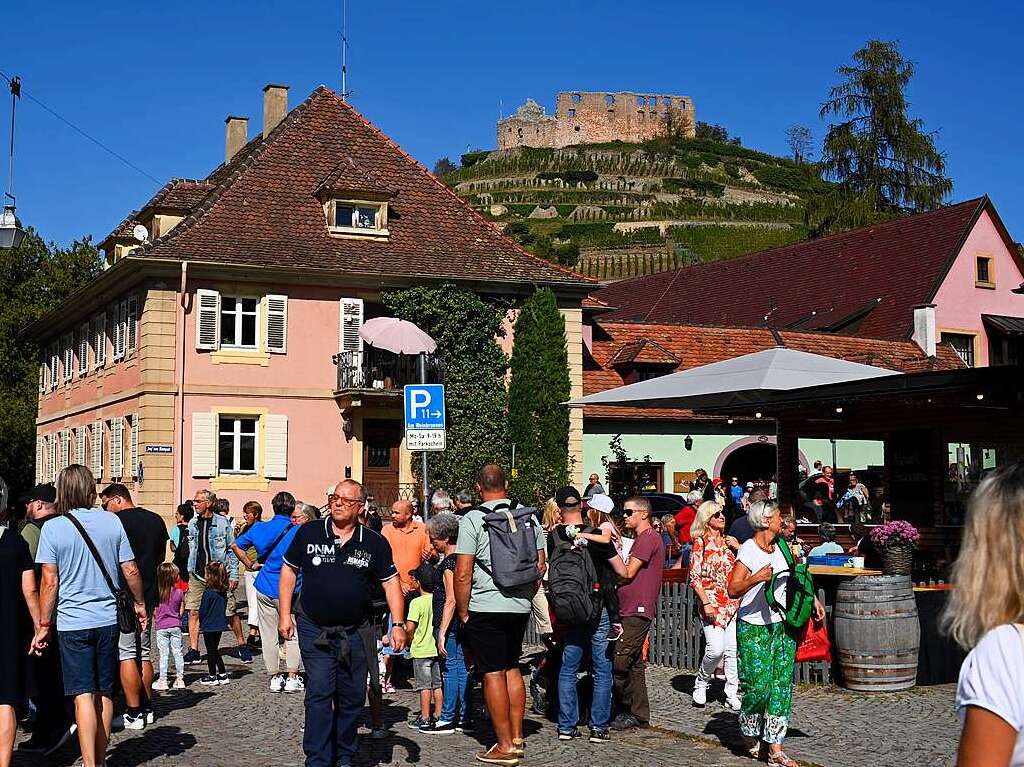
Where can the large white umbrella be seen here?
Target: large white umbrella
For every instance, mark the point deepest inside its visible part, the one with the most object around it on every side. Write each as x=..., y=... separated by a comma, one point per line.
x=737, y=381
x=395, y=335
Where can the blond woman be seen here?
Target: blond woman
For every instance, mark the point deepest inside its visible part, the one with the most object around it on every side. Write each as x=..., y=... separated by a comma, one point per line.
x=985, y=614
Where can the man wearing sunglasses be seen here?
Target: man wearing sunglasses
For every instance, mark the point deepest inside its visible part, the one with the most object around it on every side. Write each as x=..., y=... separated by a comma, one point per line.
x=638, y=604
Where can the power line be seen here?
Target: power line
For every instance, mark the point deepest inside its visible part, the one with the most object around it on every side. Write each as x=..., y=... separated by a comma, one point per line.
x=78, y=130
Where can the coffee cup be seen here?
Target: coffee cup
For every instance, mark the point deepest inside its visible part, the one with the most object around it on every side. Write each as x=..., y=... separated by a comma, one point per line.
x=858, y=562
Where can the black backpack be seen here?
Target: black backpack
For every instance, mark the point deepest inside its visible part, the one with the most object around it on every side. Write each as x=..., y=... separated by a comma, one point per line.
x=574, y=591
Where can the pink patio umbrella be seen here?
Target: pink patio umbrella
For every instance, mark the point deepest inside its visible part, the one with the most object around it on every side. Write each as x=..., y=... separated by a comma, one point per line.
x=395, y=335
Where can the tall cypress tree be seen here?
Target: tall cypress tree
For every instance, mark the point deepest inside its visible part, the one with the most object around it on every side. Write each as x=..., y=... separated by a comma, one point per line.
x=538, y=421
x=885, y=163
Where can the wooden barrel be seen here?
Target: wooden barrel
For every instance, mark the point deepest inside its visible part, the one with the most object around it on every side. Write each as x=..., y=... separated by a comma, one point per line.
x=877, y=633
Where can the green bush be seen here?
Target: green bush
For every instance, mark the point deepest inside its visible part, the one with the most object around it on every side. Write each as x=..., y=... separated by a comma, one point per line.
x=469, y=159
x=569, y=176
x=800, y=179
x=699, y=186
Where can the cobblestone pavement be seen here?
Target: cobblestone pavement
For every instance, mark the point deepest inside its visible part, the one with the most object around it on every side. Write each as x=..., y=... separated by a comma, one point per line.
x=245, y=724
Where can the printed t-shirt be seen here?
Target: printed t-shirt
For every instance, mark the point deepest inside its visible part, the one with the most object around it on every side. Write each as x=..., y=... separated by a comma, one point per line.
x=753, y=605
x=421, y=610
x=992, y=677
x=640, y=596
x=147, y=535
x=484, y=595
x=261, y=536
x=84, y=600
x=337, y=578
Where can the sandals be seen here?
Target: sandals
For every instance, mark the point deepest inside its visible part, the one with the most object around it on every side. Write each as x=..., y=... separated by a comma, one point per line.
x=779, y=758
x=519, y=747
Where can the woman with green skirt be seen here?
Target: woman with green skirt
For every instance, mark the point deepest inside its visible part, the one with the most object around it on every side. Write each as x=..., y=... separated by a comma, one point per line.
x=767, y=649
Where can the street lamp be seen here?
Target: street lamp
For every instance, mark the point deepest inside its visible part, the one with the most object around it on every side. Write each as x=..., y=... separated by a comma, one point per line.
x=11, y=234
x=688, y=442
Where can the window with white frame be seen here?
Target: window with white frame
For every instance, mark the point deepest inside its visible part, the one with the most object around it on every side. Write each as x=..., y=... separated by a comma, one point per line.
x=236, y=444
x=238, y=322
x=358, y=217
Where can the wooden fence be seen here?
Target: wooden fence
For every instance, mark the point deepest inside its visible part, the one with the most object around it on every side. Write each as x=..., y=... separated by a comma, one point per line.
x=677, y=640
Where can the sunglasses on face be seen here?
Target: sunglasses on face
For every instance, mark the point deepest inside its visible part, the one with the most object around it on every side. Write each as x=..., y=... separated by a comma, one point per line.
x=717, y=514
x=630, y=512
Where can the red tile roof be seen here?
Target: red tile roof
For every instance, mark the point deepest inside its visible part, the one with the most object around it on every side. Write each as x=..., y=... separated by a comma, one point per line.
x=264, y=210
x=643, y=351
x=696, y=345
x=348, y=177
x=865, y=281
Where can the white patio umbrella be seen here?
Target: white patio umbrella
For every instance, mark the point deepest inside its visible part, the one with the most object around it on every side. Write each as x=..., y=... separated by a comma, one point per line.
x=395, y=335
x=738, y=381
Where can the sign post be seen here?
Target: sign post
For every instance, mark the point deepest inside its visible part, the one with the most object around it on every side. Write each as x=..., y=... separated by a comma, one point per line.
x=425, y=423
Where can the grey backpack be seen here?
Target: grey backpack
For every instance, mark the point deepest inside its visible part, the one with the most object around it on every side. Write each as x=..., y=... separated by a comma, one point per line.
x=512, y=533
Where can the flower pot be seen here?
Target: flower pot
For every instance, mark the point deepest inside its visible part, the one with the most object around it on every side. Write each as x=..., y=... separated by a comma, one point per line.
x=897, y=559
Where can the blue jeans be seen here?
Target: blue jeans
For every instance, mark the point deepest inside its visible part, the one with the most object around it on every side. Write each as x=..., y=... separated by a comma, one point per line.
x=334, y=697
x=89, y=660
x=456, y=680
x=574, y=644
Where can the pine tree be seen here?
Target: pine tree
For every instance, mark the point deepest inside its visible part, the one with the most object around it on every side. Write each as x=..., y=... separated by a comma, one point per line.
x=538, y=421
x=884, y=162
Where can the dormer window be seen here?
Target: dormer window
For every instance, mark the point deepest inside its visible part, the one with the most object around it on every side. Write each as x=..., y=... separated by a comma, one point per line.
x=359, y=217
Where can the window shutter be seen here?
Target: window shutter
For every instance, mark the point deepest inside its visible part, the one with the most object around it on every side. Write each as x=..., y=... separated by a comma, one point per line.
x=119, y=322
x=204, y=445
x=83, y=350
x=69, y=357
x=65, y=448
x=54, y=366
x=116, y=447
x=277, y=324
x=40, y=449
x=351, y=321
x=131, y=323
x=100, y=340
x=133, y=452
x=275, y=447
x=80, y=446
x=208, y=321
x=42, y=379
x=97, y=450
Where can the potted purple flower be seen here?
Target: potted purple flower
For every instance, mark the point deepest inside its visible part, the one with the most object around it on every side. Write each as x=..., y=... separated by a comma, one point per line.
x=896, y=541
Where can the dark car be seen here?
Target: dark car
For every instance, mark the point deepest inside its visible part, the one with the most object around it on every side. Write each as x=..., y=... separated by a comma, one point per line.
x=661, y=503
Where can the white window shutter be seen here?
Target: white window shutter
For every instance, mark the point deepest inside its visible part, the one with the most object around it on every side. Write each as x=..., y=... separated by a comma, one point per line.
x=208, y=321
x=83, y=350
x=204, y=445
x=54, y=366
x=351, y=314
x=42, y=379
x=80, y=446
x=100, y=340
x=97, y=450
x=69, y=357
x=132, y=323
x=65, y=448
x=277, y=324
x=133, y=452
x=119, y=330
x=115, y=449
x=40, y=448
x=275, y=446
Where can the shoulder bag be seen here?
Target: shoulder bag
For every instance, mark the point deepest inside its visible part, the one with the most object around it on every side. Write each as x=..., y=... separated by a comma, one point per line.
x=127, y=622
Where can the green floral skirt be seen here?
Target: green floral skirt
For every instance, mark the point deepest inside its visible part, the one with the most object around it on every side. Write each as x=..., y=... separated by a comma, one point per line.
x=766, y=658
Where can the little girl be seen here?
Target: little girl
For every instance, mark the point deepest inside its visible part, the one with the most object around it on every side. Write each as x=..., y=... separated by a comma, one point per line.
x=606, y=533
x=213, y=618
x=167, y=619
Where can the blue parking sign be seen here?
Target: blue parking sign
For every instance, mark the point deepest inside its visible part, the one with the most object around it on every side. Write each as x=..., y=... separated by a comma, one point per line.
x=424, y=406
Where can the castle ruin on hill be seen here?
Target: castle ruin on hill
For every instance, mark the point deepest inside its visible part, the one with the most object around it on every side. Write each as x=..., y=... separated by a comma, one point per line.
x=597, y=117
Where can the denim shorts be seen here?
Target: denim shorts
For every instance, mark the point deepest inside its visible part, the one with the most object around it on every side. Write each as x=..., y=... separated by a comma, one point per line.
x=89, y=660
x=426, y=674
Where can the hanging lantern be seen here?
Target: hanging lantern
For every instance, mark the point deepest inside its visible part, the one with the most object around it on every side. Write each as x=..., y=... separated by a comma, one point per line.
x=11, y=234
x=688, y=442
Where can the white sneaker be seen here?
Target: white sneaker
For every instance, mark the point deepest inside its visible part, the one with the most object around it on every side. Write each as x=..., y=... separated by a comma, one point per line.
x=150, y=717
x=223, y=679
x=700, y=694
x=277, y=683
x=179, y=683
x=294, y=684
x=135, y=722
x=161, y=684
x=733, y=703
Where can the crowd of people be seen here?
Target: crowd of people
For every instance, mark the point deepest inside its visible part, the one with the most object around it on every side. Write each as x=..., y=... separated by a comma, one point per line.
x=349, y=602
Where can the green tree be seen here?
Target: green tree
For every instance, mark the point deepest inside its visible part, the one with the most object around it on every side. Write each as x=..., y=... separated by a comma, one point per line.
x=444, y=166
x=538, y=421
x=884, y=162
x=34, y=278
x=465, y=328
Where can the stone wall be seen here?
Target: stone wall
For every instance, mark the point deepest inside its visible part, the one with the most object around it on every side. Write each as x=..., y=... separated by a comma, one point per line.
x=597, y=117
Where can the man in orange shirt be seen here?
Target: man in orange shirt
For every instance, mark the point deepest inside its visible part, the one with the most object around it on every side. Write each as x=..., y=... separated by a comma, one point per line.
x=410, y=544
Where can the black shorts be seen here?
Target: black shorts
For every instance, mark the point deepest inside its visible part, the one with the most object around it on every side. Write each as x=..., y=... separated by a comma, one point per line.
x=496, y=639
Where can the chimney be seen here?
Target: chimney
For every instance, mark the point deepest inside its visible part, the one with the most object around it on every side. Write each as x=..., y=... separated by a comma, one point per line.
x=237, y=135
x=924, y=328
x=275, y=106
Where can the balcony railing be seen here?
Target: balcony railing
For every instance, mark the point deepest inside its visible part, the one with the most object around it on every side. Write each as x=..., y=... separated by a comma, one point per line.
x=380, y=370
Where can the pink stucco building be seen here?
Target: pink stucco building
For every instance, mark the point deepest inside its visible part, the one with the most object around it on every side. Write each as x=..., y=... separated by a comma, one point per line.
x=223, y=351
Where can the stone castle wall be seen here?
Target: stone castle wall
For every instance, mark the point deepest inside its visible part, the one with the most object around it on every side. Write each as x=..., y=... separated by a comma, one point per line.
x=597, y=117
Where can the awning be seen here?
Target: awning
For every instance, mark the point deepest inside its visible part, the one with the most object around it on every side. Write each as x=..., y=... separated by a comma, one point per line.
x=737, y=381
x=1011, y=326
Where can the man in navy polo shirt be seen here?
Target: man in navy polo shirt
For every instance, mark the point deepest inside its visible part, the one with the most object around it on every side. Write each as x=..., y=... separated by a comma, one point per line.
x=339, y=561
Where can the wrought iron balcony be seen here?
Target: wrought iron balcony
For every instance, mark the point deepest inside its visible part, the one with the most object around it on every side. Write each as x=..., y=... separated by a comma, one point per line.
x=382, y=371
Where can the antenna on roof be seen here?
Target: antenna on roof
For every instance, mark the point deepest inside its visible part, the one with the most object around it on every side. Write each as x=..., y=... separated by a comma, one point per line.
x=774, y=331
x=344, y=51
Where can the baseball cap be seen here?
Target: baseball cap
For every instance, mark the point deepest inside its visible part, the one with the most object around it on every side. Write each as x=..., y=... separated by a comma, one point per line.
x=750, y=485
x=602, y=503
x=424, y=573
x=45, y=492
x=567, y=497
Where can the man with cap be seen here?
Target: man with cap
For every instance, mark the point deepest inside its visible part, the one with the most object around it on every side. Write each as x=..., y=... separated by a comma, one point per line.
x=573, y=533
x=46, y=683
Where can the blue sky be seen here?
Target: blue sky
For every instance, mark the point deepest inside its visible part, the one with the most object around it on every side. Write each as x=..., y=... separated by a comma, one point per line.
x=154, y=81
